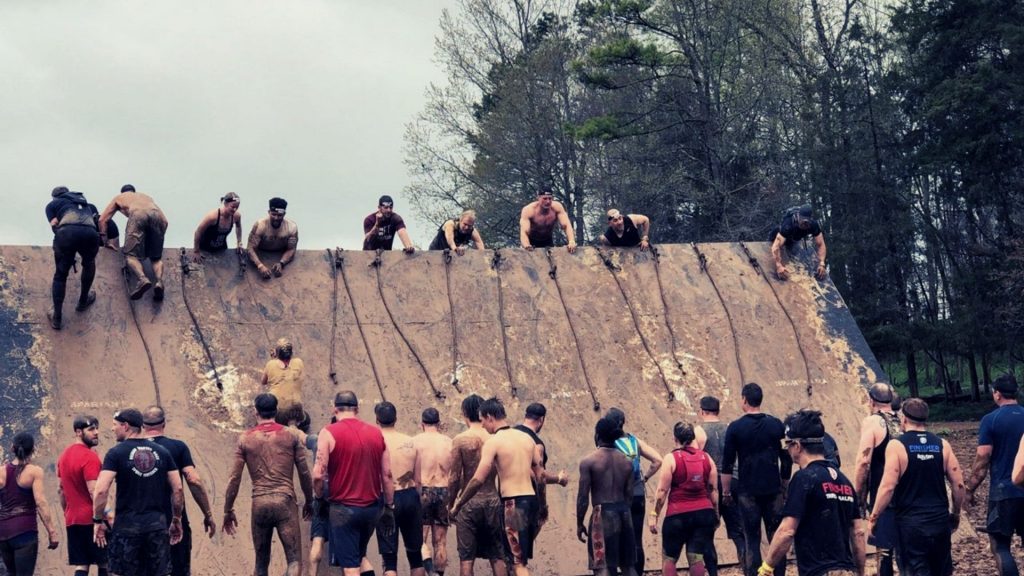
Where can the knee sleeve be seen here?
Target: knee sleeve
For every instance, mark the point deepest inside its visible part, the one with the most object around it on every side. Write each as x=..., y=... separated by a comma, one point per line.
x=390, y=562
x=415, y=558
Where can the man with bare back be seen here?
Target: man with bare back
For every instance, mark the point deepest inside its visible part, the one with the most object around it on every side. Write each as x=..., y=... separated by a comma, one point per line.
x=519, y=470
x=537, y=222
x=408, y=514
x=477, y=526
x=143, y=238
x=606, y=480
x=433, y=462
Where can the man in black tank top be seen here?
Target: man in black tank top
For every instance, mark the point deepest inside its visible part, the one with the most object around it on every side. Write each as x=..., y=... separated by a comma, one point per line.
x=875, y=433
x=626, y=231
x=456, y=234
x=915, y=465
x=75, y=231
x=711, y=438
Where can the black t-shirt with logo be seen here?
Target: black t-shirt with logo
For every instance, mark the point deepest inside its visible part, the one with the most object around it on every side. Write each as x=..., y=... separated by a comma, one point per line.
x=143, y=489
x=824, y=502
x=183, y=458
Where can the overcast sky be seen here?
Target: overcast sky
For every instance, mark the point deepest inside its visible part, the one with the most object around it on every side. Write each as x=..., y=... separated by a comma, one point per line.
x=187, y=100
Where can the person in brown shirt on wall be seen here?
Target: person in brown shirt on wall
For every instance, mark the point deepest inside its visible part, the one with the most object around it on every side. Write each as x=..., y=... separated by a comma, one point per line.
x=283, y=376
x=272, y=453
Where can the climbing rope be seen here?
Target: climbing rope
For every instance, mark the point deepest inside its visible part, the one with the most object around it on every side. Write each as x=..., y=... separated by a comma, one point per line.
x=799, y=344
x=451, y=316
x=255, y=304
x=496, y=266
x=380, y=290
x=656, y=256
x=135, y=319
x=553, y=272
x=332, y=260
x=728, y=315
x=339, y=264
x=185, y=270
x=613, y=268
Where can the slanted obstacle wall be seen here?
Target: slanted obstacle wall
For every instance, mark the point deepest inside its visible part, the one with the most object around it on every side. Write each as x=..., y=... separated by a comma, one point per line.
x=650, y=334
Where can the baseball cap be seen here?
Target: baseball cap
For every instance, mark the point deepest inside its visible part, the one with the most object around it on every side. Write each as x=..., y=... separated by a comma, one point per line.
x=129, y=416
x=127, y=188
x=386, y=201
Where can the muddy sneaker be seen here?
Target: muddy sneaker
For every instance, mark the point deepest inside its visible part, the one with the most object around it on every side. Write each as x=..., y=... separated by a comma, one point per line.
x=55, y=321
x=140, y=289
x=83, y=304
x=158, y=292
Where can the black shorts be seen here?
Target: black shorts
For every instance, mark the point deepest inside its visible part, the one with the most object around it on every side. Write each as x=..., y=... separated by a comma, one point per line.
x=611, y=545
x=145, y=554
x=1006, y=517
x=519, y=524
x=548, y=242
x=924, y=550
x=351, y=528
x=885, y=530
x=82, y=550
x=478, y=529
x=435, y=506
x=181, y=553
x=320, y=527
x=695, y=530
x=408, y=523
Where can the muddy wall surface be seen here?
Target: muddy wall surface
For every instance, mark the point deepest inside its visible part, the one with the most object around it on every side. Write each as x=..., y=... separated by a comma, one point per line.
x=580, y=333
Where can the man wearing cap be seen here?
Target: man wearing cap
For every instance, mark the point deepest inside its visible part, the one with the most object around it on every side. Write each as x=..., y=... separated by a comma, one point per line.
x=821, y=516
x=537, y=222
x=998, y=438
x=75, y=232
x=143, y=238
x=77, y=469
x=408, y=513
x=916, y=465
x=606, y=481
x=355, y=457
x=146, y=480
x=282, y=376
x=876, y=431
x=520, y=481
x=627, y=231
x=456, y=234
x=434, y=461
x=635, y=449
x=272, y=454
x=274, y=233
x=533, y=422
x=710, y=437
x=380, y=228
x=477, y=526
x=153, y=423
x=797, y=224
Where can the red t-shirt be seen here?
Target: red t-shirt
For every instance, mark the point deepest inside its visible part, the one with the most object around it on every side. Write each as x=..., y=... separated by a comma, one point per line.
x=354, y=465
x=689, y=491
x=77, y=465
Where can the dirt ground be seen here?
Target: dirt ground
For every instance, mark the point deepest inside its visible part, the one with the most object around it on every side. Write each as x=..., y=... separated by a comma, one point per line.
x=971, y=556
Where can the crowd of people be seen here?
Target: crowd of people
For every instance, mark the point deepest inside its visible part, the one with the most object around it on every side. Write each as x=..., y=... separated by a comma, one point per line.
x=490, y=481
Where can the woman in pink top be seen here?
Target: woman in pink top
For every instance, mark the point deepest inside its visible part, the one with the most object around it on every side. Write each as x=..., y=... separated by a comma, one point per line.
x=22, y=496
x=688, y=480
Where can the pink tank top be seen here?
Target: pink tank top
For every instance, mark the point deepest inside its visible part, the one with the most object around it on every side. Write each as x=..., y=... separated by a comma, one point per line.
x=689, y=491
x=17, y=507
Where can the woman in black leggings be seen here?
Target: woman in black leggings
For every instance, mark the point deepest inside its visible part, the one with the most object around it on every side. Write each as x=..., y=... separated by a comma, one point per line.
x=22, y=497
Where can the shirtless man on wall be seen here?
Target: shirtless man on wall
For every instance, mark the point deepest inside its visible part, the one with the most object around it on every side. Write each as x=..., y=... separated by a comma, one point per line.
x=537, y=222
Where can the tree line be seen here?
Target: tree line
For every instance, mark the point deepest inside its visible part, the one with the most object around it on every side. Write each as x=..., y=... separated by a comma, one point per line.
x=901, y=123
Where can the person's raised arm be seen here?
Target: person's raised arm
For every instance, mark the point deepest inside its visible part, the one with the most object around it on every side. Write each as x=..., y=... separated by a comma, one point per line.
x=819, y=245
x=449, y=235
x=107, y=214
x=583, y=500
x=777, y=245
x=566, y=224
x=238, y=230
x=643, y=225
x=524, y=227
x=293, y=245
x=956, y=481
x=251, y=247
x=478, y=240
x=42, y=506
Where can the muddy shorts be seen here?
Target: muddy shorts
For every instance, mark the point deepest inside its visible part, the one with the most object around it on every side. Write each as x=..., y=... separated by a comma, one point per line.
x=145, y=554
x=320, y=527
x=1006, y=517
x=519, y=525
x=611, y=545
x=478, y=529
x=351, y=528
x=144, y=235
x=435, y=506
x=408, y=523
x=82, y=551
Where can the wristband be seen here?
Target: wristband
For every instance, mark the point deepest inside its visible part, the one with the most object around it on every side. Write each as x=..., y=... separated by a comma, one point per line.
x=766, y=569
x=96, y=520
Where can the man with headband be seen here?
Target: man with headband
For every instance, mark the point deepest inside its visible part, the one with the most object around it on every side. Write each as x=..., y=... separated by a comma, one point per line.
x=143, y=238
x=916, y=465
x=820, y=517
x=381, y=227
x=876, y=431
x=78, y=468
x=273, y=234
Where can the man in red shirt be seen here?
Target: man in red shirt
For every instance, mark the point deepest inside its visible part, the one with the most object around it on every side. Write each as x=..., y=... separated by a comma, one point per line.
x=352, y=454
x=77, y=468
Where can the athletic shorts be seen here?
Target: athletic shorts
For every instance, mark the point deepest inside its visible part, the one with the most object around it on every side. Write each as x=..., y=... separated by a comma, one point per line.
x=351, y=528
x=885, y=530
x=435, y=506
x=548, y=242
x=320, y=526
x=694, y=529
x=181, y=553
x=145, y=554
x=1006, y=517
x=144, y=235
x=924, y=550
x=82, y=551
x=478, y=529
x=519, y=524
x=408, y=523
x=611, y=544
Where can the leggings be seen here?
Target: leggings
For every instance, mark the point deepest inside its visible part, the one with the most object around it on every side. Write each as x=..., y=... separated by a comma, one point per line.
x=19, y=553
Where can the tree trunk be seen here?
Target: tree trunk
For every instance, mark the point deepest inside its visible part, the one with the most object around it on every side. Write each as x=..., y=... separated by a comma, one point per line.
x=912, y=374
x=975, y=388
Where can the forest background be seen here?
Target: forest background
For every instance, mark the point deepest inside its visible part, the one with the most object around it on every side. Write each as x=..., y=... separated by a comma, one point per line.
x=900, y=122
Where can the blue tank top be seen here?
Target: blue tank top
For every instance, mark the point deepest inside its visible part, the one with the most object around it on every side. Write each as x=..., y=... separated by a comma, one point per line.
x=629, y=446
